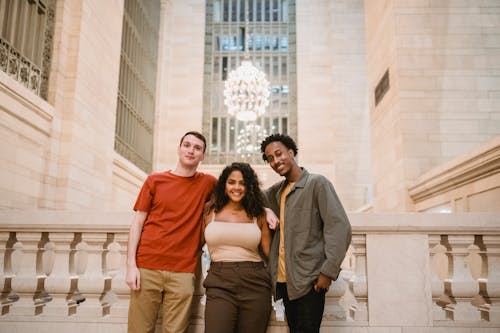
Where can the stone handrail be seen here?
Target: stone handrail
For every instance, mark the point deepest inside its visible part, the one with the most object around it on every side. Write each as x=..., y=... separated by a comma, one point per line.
x=402, y=270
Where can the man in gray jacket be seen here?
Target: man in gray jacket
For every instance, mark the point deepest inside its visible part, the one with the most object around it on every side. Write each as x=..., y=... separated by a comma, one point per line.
x=312, y=237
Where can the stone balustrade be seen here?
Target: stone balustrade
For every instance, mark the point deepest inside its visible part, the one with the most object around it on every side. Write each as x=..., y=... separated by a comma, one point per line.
x=426, y=272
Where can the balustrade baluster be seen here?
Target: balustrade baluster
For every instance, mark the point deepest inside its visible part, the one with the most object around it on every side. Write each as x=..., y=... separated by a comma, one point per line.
x=78, y=258
x=44, y=266
x=25, y=281
x=491, y=310
x=58, y=281
x=91, y=279
x=7, y=296
x=111, y=266
x=119, y=286
x=334, y=310
x=439, y=269
x=462, y=287
x=358, y=283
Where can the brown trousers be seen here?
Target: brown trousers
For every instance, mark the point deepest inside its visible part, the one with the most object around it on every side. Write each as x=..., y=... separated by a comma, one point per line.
x=238, y=297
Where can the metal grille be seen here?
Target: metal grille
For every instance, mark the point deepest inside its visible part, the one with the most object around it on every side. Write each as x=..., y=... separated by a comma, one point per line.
x=271, y=46
x=137, y=83
x=26, y=39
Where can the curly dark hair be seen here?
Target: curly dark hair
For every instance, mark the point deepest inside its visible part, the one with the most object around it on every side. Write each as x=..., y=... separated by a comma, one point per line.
x=283, y=138
x=253, y=202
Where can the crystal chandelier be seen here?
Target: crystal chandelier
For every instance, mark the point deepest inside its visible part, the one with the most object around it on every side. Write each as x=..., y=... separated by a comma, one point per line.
x=248, y=142
x=246, y=90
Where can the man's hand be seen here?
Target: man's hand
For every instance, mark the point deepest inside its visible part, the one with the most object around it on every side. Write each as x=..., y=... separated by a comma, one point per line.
x=133, y=278
x=271, y=219
x=322, y=283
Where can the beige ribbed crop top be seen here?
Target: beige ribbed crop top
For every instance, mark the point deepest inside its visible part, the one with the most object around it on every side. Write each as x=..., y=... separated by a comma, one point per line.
x=233, y=241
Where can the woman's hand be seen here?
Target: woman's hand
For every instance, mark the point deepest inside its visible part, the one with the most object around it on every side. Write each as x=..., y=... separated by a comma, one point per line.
x=271, y=219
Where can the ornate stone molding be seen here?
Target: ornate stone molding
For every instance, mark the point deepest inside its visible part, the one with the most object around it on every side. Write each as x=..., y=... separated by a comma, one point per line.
x=472, y=167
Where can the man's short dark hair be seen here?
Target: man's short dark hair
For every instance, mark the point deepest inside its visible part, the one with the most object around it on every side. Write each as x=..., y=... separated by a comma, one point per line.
x=198, y=135
x=283, y=138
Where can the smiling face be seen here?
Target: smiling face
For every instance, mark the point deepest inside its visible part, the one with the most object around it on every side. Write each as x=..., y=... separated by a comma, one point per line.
x=281, y=159
x=235, y=186
x=191, y=151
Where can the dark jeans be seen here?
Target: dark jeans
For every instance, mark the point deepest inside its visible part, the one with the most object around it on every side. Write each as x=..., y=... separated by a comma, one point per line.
x=304, y=314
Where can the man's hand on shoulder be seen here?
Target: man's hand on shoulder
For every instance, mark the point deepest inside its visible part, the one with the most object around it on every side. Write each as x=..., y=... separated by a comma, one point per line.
x=271, y=219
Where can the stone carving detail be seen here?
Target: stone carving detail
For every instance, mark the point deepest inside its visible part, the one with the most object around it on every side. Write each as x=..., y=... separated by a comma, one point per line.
x=439, y=262
x=78, y=259
x=461, y=288
x=111, y=264
x=358, y=282
x=465, y=277
x=44, y=264
x=10, y=251
x=490, y=282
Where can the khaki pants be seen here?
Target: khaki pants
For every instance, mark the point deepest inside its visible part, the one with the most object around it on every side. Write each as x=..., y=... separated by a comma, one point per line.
x=173, y=290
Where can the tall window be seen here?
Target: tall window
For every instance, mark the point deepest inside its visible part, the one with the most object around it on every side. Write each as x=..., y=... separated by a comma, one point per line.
x=137, y=83
x=270, y=41
x=26, y=38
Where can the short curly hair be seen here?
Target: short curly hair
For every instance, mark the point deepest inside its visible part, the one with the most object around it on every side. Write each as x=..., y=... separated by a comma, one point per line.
x=283, y=138
x=253, y=202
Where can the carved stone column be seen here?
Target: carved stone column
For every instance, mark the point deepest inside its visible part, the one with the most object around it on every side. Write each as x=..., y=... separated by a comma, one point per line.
x=78, y=259
x=91, y=280
x=119, y=286
x=333, y=307
x=440, y=265
x=358, y=283
x=492, y=244
x=44, y=265
x=462, y=287
x=58, y=281
x=7, y=295
x=111, y=265
x=25, y=279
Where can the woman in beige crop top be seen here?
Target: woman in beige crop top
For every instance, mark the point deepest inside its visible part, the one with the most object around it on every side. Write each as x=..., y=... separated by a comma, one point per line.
x=238, y=286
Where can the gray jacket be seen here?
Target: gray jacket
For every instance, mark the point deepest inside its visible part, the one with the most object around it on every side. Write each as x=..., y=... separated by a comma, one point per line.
x=317, y=232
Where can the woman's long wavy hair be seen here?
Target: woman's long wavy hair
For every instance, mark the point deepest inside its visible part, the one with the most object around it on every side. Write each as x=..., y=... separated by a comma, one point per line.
x=253, y=202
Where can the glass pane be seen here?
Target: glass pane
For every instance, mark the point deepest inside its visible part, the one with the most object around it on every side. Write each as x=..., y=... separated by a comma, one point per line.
x=275, y=10
x=234, y=16
x=284, y=125
x=223, y=134
x=259, y=11
x=226, y=10
x=215, y=127
x=276, y=125
x=217, y=11
x=232, y=135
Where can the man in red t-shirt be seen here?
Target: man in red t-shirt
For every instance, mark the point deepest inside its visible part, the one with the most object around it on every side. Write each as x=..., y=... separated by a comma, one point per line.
x=164, y=241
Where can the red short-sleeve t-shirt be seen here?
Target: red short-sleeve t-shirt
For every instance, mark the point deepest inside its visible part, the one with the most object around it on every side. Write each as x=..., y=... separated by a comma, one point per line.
x=170, y=238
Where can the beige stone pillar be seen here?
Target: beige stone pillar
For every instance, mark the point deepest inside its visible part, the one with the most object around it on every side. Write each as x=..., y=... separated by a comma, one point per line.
x=443, y=88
